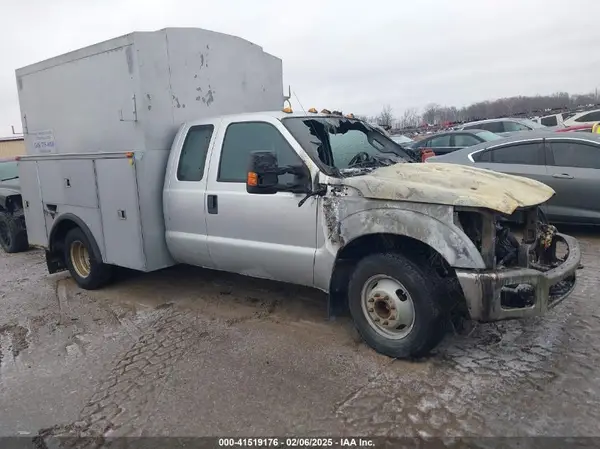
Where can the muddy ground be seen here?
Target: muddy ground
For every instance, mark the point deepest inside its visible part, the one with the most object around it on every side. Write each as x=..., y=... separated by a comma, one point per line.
x=190, y=352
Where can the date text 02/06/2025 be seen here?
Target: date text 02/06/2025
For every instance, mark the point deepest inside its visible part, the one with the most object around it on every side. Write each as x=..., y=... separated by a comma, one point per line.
x=292, y=442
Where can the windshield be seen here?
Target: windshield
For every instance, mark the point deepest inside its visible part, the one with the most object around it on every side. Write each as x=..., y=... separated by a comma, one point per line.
x=488, y=136
x=531, y=124
x=8, y=170
x=399, y=138
x=345, y=146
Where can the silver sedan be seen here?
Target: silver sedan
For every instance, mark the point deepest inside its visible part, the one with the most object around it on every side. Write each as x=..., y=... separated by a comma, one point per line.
x=570, y=164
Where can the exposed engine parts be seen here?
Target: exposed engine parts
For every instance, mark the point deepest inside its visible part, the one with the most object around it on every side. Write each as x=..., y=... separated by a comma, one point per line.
x=507, y=246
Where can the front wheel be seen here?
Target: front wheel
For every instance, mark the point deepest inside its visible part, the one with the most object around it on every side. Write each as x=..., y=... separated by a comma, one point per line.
x=395, y=305
x=88, y=272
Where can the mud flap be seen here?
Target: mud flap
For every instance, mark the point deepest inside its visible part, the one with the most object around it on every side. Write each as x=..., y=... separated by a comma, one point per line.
x=54, y=263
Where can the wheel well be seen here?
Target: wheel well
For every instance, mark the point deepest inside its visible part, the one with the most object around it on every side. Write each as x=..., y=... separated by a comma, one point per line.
x=55, y=255
x=366, y=245
x=12, y=203
x=57, y=238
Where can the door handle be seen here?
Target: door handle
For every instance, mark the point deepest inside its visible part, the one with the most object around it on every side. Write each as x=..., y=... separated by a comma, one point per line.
x=562, y=176
x=212, y=204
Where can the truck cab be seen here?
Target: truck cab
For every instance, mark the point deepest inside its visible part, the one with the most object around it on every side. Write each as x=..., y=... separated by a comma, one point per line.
x=206, y=199
x=328, y=201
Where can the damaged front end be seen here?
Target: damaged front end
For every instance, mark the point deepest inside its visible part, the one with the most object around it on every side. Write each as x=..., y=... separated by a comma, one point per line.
x=523, y=277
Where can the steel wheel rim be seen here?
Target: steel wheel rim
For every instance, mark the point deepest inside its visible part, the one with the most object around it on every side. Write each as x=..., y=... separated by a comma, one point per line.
x=5, y=234
x=80, y=257
x=388, y=307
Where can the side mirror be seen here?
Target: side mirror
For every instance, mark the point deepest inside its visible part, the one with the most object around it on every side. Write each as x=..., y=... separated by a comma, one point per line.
x=264, y=171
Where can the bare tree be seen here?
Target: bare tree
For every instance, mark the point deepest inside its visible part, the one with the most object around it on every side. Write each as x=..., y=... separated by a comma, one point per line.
x=386, y=117
x=431, y=112
x=409, y=118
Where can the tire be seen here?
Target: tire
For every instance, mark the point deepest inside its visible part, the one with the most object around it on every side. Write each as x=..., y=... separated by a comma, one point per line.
x=405, y=336
x=88, y=272
x=13, y=235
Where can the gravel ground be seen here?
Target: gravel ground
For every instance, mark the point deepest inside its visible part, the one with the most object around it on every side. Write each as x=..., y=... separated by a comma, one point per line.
x=190, y=352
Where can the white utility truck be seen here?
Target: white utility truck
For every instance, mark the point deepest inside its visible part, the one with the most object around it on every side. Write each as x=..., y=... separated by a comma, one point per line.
x=155, y=148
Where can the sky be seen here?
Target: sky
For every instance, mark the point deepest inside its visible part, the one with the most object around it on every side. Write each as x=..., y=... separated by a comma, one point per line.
x=354, y=56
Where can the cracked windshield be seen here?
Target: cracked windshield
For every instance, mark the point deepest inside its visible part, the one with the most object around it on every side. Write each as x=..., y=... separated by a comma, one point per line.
x=346, y=146
x=224, y=224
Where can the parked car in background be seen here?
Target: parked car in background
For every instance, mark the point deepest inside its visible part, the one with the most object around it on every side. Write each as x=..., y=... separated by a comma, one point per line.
x=13, y=234
x=446, y=142
x=554, y=119
x=401, y=139
x=505, y=126
x=584, y=118
x=569, y=163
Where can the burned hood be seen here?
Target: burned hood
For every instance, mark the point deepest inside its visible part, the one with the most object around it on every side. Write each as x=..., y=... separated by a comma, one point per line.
x=451, y=184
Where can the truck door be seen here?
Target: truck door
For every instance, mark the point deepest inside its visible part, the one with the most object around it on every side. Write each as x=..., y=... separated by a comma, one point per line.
x=184, y=198
x=265, y=236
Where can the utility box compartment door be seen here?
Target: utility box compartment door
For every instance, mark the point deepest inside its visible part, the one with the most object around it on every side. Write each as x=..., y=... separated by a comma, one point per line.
x=117, y=191
x=78, y=179
x=69, y=182
x=32, y=203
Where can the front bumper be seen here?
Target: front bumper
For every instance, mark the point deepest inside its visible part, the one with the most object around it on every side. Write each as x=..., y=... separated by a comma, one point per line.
x=483, y=291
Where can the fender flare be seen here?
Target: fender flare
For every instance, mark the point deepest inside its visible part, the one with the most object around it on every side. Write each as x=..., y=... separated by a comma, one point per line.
x=84, y=228
x=446, y=238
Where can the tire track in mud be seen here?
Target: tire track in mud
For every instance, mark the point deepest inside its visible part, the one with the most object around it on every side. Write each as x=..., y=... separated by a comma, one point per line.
x=135, y=379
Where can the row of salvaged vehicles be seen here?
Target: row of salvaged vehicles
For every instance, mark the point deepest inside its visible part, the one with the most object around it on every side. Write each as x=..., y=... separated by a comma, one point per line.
x=160, y=150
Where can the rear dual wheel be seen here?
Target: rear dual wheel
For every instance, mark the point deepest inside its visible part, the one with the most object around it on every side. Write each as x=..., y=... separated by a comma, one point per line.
x=89, y=272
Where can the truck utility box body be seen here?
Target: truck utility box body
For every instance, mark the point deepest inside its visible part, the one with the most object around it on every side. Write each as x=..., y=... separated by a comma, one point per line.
x=82, y=112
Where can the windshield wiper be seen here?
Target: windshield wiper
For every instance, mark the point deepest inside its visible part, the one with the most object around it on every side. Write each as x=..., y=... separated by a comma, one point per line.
x=9, y=179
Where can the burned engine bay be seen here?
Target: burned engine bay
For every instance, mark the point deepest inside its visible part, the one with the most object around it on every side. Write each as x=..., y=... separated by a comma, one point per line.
x=540, y=248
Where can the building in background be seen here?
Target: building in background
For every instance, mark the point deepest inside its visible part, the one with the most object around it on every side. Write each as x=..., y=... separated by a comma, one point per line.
x=12, y=146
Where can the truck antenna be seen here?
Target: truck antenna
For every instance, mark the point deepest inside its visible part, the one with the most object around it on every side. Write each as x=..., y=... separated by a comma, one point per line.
x=298, y=100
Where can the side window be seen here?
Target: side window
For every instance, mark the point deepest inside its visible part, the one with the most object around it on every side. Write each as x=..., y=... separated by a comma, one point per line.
x=524, y=154
x=515, y=126
x=241, y=139
x=441, y=141
x=193, y=153
x=465, y=140
x=589, y=117
x=495, y=127
x=572, y=154
x=482, y=156
x=549, y=121
x=475, y=126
